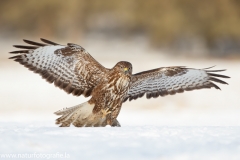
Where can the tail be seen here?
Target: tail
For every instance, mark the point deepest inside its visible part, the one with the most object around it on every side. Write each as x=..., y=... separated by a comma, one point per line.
x=82, y=116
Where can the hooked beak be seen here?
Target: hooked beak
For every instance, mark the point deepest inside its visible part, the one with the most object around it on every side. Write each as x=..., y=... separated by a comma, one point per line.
x=126, y=70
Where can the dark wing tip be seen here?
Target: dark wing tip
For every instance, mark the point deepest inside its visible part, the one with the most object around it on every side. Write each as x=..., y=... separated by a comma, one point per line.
x=218, y=75
x=221, y=70
x=209, y=67
x=25, y=47
x=48, y=42
x=21, y=51
x=217, y=80
x=214, y=85
x=33, y=43
x=27, y=41
x=15, y=57
x=13, y=52
x=215, y=77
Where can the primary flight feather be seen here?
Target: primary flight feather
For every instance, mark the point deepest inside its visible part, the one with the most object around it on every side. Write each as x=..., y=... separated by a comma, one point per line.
x=71, y=68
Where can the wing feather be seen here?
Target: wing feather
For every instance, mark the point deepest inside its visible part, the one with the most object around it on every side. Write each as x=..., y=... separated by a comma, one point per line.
x=48, y=42
x=172, y=80
x=25, y=47
x=34, y=43
x=70, y=67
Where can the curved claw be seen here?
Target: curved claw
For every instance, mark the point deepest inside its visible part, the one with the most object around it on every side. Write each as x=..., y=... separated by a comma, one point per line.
x=105, y=112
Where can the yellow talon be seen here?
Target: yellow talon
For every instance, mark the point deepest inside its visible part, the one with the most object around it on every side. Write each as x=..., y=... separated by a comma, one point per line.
x=105, y=112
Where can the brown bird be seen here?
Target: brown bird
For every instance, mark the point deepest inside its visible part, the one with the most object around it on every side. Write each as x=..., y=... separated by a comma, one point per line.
x=72, y=69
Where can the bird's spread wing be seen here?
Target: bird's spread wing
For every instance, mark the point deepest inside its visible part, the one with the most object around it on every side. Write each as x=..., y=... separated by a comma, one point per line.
x=69, y=67
x=171, y=80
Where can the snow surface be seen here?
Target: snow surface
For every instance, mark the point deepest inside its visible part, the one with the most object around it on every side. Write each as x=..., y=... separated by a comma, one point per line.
x=129, y=142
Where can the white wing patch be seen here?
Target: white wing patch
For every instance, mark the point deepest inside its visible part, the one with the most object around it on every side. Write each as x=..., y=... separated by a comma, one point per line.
x=43, y=57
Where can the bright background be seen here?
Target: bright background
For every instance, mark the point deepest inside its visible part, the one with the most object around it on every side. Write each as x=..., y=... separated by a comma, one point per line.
x=149, y=34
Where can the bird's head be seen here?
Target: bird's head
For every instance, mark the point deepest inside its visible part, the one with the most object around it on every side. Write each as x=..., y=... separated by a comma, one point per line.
x=124, y=67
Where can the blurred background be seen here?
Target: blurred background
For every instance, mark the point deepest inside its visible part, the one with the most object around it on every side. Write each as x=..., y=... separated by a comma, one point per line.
x=149, y=34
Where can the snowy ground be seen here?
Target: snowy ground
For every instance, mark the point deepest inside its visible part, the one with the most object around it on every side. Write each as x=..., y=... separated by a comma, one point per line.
x=129, y=142
x=202, y=124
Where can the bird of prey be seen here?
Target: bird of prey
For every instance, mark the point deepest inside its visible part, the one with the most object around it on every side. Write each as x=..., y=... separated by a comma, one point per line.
x=71, y=68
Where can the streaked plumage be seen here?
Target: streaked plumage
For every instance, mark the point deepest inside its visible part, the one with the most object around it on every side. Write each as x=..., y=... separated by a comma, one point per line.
x=72, y=69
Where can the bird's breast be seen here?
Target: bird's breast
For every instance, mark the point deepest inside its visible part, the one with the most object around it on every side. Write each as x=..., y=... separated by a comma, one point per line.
x=119, y=85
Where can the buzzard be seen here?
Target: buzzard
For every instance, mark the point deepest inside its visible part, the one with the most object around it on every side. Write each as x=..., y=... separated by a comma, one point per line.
x=71, y=68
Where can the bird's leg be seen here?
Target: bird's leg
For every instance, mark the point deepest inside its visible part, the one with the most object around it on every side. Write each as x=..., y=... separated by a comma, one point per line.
x=105, y=112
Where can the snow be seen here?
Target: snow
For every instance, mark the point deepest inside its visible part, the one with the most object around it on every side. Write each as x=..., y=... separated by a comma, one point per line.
x=128, y=142
x=201, y=124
